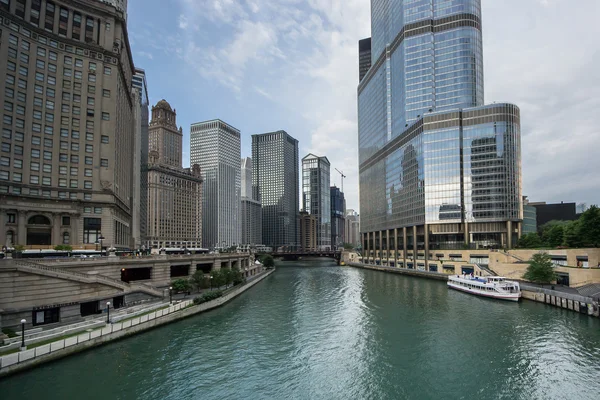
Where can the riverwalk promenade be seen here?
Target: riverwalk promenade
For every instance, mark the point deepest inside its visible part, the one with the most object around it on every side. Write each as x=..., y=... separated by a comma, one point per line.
x=26, y=359
x=567, y=299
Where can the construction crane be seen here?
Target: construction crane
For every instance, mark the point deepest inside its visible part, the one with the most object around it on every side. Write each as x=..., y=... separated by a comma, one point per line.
x=343, y=176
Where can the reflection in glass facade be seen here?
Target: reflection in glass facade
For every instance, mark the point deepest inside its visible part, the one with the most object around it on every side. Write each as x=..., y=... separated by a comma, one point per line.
x=275, y=184
x=316, y=198
x=437, y=167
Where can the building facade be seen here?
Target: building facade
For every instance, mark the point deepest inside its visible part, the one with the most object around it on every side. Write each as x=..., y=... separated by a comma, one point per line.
x=174, y=192
x=308, y=231
x=438, y=169
x=529, y=217
x=140, y=207
x=216, y=147
x=338, y=214
x=352, y=232
x=251, y=208
x=67, y=125
x=364, y=57
x=554, y=212
x=316, y=197
x=275, y=183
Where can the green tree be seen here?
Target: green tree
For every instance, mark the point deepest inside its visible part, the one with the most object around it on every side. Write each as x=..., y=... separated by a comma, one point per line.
x=553, y=233
x=530, y=241
x=572, y=234
x=540, y=269
x=217, y=278
x=181, y=285
x=199, y=280
x=589, y=224
x=227, y=276
x=63, y=247
x=348, y=246
x=268, y=261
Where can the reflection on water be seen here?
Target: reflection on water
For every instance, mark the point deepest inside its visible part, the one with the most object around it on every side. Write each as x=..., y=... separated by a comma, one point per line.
x=316, y=331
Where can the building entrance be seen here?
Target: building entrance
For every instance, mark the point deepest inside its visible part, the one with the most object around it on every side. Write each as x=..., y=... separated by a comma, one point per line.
x=39, y=231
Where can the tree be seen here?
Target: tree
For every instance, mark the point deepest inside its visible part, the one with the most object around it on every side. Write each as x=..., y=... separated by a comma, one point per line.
x=238, y=277
x=227, y=275
x=267, y=261
x=589, y=224
x=530, y=241
x=181, y=285
x=199, y=280
x=540, y=269
x=348, y=246
x=552, y=233
x=218, y=278
x=63, y=247
x=572, y=234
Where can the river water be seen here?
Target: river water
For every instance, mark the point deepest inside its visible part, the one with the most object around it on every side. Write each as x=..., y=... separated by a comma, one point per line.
x=313, y=330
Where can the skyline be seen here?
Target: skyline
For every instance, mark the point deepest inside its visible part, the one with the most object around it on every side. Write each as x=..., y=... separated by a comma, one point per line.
x=282, y=78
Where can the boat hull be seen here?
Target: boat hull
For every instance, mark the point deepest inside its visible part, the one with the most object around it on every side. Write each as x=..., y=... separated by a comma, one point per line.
x=496, y=295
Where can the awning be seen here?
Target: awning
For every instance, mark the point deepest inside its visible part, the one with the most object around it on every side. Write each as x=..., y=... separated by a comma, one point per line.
x=558, y=257
x=439, y=254
x=480, y=256
x=582, y=258
x=455, y=255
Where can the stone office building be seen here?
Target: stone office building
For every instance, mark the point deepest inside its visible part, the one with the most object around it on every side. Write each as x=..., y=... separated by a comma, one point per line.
x=174, y=193
x=67, y=123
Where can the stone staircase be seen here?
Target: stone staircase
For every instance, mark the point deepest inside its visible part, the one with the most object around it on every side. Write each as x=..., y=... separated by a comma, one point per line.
x=40, y=269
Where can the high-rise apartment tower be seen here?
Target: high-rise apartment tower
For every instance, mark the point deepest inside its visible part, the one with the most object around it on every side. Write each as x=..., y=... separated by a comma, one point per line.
x=315, y=196
x=251, y=208
x=438, y=169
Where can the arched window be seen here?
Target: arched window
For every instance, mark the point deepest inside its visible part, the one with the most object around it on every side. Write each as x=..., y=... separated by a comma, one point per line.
x=66, y=238
x=38, y=220
x=10, y=238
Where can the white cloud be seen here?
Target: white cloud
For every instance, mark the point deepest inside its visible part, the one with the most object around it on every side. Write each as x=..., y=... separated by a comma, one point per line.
x=145, y=54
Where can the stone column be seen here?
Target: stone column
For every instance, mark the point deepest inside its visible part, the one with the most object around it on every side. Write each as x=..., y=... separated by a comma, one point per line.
x=229, y=263
x=415, y=250
x=56, y=236
x=404, y=246
x=426, y=247
x=216, y=265
x=509, y=234
x=387, y=245
x=395, y=247
x=368, y=247
x=21, y=229
x=381, y=247
x=466, y=230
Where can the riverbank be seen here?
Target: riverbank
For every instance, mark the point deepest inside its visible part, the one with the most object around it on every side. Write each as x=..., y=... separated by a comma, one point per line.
x=568, y=301
x=27, y=359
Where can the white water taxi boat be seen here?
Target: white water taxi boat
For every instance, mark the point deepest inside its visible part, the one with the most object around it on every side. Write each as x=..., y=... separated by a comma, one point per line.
x=489, y=286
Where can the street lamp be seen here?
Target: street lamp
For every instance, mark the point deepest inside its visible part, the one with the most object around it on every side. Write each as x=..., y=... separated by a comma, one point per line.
x=101, y=238
x=170, y=294
x=108, y=312
x=211, y=278
x=23, y=334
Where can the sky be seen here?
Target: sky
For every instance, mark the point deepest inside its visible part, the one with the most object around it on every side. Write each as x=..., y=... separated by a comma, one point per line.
x=265, y=65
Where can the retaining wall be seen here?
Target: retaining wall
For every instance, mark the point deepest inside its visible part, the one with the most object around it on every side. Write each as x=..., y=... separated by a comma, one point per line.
x=30, y=358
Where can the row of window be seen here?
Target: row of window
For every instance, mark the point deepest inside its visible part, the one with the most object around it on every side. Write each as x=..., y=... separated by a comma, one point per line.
x=17, y=190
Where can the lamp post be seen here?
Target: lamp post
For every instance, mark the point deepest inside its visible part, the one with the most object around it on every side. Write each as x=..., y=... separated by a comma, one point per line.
x=108, y=312
x=211, y=278
x=100, y=239
x=170, y=294
x=23, y=334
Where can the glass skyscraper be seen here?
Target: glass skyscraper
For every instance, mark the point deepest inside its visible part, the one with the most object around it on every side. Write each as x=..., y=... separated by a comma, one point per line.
x=275, y=184
x=315, y=196
x=438, y=169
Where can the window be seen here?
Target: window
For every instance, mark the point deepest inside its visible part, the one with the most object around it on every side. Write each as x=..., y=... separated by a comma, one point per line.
x=11, y=66
x=37, y=114
x=18, y=150
x=25, y=45
x=6, y=147
x=77, y=85
x=21, y=97
x=104, y=162
x=88, y=172
x=62, y=195
x=89, y=136
x=62, y=170
x=97, y=210
x=37, y=101
x=20, y=123
x=12, y=39
x=74, y=146
x=39, y=89
x=4, y=175
x=23, y=71
x=48, y=315
x=5, y=161
x=75, y=122
x=73, y=196
x=73, y=183
x=90, y=112
x=64, y=120
x=63, y=21
x=66, y=84
x=49, y=117
x=47, y=168
x=7, y=119
x=12, y=53
x=66, y=237
x=67, y=72
x=91, y=89
x=75, y=134
x=10, y=80
x=62, y=182
x=46, y=181
x=34, y=192
x=40, y=64
x=76, y=29
x=89, y=160
x=91, y=78
x=46, y=193
x=91, y=101
x=35, y=153
x=36, y=127
x=74, y=171
x=20, y=110
x=89, y=125
x=34, y=166
x=91, y=230
x=51, y=67
x=36, y=140
x=49, y=20
x=52, y=55
x=47, y=155
x=47, y=142
x=89, y=148
x=6, y=133
x=50, y=92
x=92, y=66
x=74, y=159
x=106, y=116
x=104, y=139
x=24, y=58
x=51, y=80
x=9, y=93
x=87, y=196
x=77, y=98
x=78, y=75
x=17, y=177
x=12, y=218
x=79, y=62
x=8, y=106
x=66, y=96
x=87, y=184
x=18, y=164
x=107, y=71
x=35, y=179
x=41, y=52
x=62, y=157
x=48, y=130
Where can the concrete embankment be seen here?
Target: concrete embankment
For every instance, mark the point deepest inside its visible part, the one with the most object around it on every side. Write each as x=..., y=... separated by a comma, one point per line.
x=26, y=359
x=569, y=301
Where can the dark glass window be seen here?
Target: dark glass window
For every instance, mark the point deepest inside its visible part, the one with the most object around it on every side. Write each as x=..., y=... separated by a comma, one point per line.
x=20, y=8
x=91, y=230
x=5, y=4
x=47, y=316
x=34, y=17
x=76, y=31
x=63, y=21
x=89, y=29
x=66, y=221
x=50, y=9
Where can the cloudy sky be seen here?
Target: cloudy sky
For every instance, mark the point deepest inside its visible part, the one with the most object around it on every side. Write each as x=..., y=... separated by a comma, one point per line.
x=264, y=65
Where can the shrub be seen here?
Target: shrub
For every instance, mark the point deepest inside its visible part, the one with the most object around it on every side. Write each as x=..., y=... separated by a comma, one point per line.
x=181, y=285
x=9, y=332
x=63, y=247
x=208, y=297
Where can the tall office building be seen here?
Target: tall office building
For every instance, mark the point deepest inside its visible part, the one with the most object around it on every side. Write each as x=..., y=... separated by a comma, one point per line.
x=216, y=147
x=275, y=184
x=338, y=213
x=308, y=231
x=364, y=57
x=438, y=169
x=251, y=208
x=174, y=192
x=67, y=123
x=316, y=196
x=140, y=161
x=352, y=231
